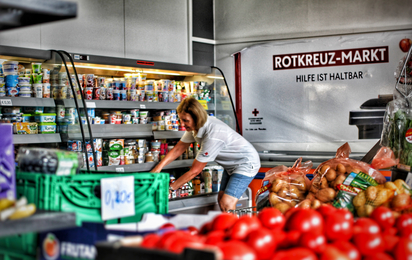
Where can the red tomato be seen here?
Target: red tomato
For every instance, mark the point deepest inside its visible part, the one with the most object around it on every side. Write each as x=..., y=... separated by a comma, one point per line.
x=178, y=244
x=291, y=239
x=289, y=212
x=403, y=250
x=390, y=242
x=326, y=209
x=305, y=220
x=235, y=249
x=271, y=218
x=205, y=228
x=279, y=235
x=317, y=243
x=384, y=217
x=150, y=240
x=224, y=221
x=243, y=226
x=192, y=230
x=366, y=225
x=390, y=231
x=167, y=238
x=215, y=237
x=379, y=256
x=297, y=253
x=403, y=221
x=263, y=242
x=167, y=226
x=332, y=253
x=339, y=225
x=348, y=249
x=369, y=244
x=406, y=232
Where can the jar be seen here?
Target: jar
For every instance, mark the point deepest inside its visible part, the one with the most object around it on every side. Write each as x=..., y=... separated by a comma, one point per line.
x=149, y=157
x=129, y=159
x=196, y=185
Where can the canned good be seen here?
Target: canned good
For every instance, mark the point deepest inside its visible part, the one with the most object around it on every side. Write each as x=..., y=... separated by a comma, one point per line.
x=96, y=93
x=113, y=118
x=116, y=94
x=102, y=93
x=88, y=93
x=109, y=93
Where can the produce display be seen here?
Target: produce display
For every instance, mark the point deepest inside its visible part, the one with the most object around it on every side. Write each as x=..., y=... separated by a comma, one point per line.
x=300, y=234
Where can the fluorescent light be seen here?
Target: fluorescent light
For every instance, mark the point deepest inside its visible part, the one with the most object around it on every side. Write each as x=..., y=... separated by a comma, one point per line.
x=215, y=77
x=126, y=70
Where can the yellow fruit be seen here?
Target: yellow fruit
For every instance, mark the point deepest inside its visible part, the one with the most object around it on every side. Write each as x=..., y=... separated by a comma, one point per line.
x=5, y=203
x=24, y=211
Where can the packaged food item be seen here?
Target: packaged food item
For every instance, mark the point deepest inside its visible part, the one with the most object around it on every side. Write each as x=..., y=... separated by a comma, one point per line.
x=7, y=164
x=22, y=128
x=345, y=196
x=360, y=180
x=114, y=144
x=285, y=187
x=45, y=118
x=49, y=161
x=47, y=128
x=74, y=145
x=114, y=157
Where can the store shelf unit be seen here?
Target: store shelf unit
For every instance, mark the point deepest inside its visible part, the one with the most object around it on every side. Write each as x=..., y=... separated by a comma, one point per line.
x=36, y=139
x=27, y=102
x=41, y=221
x=112, y=131
x=168, y=134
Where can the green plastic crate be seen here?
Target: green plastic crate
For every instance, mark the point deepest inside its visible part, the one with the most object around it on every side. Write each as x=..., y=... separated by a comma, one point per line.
x=9, y=255
x=81, y=193
x=25, y=243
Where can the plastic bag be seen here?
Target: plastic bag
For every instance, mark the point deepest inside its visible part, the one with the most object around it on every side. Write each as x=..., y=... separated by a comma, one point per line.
x=366, y=201
x=384, y=158
x=345, y=196
x=285, y=187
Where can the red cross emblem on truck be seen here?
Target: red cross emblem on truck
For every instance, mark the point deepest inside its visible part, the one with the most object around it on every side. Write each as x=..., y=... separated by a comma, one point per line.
x=255, y=112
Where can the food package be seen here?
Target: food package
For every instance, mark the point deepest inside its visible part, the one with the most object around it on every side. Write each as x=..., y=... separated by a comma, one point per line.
x=285, y=187
x=25, y=128
x=114, y=145
x=341, y=170
x=345, y=196
x=7, y=172
x=49, y=161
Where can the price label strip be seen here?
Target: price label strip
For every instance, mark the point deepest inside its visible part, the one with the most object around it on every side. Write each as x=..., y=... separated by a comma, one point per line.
x=6, y=102
x=117, y=195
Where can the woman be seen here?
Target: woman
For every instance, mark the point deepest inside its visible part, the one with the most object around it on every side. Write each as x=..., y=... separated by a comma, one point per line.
x=218, y=142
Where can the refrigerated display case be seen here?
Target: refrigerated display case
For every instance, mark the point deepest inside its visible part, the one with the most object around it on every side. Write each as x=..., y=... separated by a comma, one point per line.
x=218, y=102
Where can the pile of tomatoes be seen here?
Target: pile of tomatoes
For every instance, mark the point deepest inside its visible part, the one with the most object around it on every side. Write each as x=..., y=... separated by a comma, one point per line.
x=300, y=234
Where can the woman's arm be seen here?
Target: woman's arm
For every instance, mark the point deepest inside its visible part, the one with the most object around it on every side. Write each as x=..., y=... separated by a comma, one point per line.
x=179, y=148
x=196, y=168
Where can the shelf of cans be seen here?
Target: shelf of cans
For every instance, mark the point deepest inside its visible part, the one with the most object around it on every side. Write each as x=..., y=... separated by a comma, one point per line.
x=19, y=81
x=117, y=152
x=207, y=182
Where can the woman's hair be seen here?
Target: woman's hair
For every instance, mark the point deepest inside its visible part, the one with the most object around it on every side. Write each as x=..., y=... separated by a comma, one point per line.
x=195, y=109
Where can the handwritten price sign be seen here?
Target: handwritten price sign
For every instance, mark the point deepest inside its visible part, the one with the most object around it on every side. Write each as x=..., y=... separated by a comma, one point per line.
x=117, y=197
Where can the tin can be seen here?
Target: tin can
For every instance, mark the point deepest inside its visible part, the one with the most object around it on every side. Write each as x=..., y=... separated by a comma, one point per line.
x=88, y=93
x=116, y=94
x=133, y=95
x=113, y=118
x=109, y=93
x=96, y=93
x=142, y=96
x=102, y=93
x=90, y=80
x=123, y=95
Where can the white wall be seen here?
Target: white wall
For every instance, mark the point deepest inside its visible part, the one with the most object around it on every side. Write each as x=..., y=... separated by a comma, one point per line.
x=243, y=23
x=153, y=30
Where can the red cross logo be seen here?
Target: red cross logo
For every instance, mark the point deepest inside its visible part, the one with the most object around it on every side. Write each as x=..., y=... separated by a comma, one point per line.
x=255, y=112
x=206, y=154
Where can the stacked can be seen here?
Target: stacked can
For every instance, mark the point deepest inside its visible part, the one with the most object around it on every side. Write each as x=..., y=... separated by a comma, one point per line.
x=24, y=87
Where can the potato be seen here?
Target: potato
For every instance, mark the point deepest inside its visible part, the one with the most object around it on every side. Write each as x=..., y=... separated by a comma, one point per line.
x=382, y=196
x=314, y=189
x=315, y=204
x=401, y=200
x=339, y=180
x=371, y=193
x=273, y=198
x=331, y=175
x=282, y=207
x=305, y=204
x=300, y=183
x=348, y=169
x=310, y=196
x=325, y=195
x=340, y=168
x=324, y=183
x=368, y=210
x=294, y=190
x=359, y=200
x=361, y=211
x=278, y=184
x=289, y=200
x=283, y=192
x=324, y=169
x=402, y=186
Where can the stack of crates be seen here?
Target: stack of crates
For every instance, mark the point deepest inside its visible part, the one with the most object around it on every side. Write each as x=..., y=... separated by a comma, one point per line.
x=81, y=194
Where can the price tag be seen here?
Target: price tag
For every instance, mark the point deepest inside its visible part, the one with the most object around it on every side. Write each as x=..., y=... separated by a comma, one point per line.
x=120, y=169
x=204, y=104
x=142, y=106
x=6, y=102
x=91, y=104
x=117, y=197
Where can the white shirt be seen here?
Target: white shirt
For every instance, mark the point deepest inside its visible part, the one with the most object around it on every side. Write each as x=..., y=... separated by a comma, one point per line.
x=220, y=143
